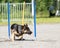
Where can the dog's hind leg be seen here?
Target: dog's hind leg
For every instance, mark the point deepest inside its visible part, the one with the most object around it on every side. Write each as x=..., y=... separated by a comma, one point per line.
x=21, y=37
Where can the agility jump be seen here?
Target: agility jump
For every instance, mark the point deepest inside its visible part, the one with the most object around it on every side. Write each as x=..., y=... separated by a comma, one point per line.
x=34, y=17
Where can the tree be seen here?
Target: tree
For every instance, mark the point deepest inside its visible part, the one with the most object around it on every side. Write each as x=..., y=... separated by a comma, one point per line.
x=44, y=4
x=0, y=1
x=40, y=5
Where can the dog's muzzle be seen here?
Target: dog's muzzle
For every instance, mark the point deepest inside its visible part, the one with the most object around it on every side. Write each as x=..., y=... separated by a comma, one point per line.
x=29, y=32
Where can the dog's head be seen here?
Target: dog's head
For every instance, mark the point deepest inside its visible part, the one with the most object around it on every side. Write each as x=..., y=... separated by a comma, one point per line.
x=27, y=29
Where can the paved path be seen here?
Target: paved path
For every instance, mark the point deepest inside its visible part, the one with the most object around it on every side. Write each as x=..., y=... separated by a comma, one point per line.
x=48, y=36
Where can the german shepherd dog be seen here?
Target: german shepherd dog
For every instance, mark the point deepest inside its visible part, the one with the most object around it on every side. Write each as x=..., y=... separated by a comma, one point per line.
x=19, y=30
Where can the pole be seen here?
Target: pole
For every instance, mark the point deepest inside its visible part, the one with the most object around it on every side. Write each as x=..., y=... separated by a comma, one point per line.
x=23, y=13
x=32, y=7
x=8, y=20
x=34, y=19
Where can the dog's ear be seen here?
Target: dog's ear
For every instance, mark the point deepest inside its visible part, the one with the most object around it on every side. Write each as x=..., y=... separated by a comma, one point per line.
x=25, y=24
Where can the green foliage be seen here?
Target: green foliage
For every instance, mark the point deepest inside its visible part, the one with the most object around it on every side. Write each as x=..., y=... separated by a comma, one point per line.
x=43, y=6
x=14, y=1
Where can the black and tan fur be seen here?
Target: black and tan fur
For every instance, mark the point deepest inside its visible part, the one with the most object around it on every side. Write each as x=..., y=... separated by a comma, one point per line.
x=19, y=30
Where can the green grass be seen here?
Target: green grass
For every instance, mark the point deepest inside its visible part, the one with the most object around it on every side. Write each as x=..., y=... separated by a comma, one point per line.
x=40, y=21
x=48, y=20
x=43, y=14
x=28, y=21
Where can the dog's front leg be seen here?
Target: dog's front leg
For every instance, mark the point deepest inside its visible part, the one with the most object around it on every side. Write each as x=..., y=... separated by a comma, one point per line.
x=12, y=36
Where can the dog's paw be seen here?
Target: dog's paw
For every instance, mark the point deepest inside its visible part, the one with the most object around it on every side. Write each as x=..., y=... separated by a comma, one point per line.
x=21, y=39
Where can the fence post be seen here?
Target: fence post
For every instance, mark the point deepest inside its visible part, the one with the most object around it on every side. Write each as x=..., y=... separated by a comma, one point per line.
x=8, y=20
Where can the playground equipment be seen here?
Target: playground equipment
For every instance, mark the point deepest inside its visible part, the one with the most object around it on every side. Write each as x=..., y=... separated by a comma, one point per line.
x=25, y=18
x=20, y=13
